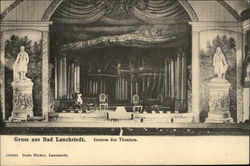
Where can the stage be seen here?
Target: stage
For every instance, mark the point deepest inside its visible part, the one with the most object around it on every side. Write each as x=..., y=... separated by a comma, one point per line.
x=131, y=128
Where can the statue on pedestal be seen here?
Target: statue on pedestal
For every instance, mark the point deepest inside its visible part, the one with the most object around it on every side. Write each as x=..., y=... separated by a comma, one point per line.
x=22, y=88
x=220, y=63
x=219, y=101
x=21, y=65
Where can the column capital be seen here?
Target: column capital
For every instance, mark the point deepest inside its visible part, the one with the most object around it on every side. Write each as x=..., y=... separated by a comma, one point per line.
x=181, y=51
x=62, y=54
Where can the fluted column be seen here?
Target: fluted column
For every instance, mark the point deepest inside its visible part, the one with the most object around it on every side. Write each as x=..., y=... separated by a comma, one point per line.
x=56, y=77
x=184, y=82
x=166, y=78
x=64, y=76
x=45, y=75
x=68, y=81
x=2, y=75
x=72, y=81
x=178, y=74
x=59, y=78
x=169, y=79
x=77, y=79
x=172, y=83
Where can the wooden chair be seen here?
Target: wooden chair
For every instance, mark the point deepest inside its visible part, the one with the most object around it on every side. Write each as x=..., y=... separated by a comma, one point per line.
x=103, y=98
x=136, y=103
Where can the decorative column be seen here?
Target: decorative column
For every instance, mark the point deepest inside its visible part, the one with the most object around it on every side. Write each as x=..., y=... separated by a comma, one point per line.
x=131, y=88
x=239, y=60
x=166, y=75
x=246, y=90
x=169, y=80
x=172, y=64
x=195, y=75
x=2, y=82
x=64, y=76
x=56, y=77
x=59, y=77
x=77, y=79
x=183, y=81
x=45, y=74
x=72, y=80
x=178, y=75
x=68, y=81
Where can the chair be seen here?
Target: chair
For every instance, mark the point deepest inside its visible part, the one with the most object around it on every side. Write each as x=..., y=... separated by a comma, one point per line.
x=103, y=98
x=136, y=103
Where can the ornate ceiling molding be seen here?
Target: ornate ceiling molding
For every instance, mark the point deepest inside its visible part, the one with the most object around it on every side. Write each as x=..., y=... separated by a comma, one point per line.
x=10, y=8
x=192, y=14
x=229, y=9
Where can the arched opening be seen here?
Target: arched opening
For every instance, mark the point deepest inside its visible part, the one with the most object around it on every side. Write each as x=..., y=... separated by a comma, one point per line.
x=121, y=48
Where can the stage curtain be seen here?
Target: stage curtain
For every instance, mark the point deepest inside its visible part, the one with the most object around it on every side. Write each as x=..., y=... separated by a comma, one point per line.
x=162, y=10
x=76, y=11
x=87, y=11
x=72, y=14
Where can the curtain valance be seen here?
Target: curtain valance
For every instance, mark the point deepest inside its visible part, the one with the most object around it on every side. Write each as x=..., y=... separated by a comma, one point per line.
x=149, y=11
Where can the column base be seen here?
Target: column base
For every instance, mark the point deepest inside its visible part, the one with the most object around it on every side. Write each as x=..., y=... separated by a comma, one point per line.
x=213, y=120
x=219, y=117
x=21, y=115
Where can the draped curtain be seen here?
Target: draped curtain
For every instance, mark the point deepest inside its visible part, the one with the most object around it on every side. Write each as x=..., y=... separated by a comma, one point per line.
x=87, y=11
x=86, y=23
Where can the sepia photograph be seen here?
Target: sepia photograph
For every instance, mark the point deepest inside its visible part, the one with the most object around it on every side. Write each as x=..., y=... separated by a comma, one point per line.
x=124, y=82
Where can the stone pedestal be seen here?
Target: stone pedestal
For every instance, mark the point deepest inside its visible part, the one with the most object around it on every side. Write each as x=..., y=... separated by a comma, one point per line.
x=22, y=100
x=219, y=101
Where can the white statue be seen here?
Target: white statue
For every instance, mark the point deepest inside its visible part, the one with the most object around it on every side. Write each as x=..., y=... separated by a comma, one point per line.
x=219, y=63
x=79, y=98
x=21, y=65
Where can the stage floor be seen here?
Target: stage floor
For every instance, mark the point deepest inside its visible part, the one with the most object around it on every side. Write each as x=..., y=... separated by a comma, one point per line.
x=107, y=122
x=105, y=116
x=116, y=128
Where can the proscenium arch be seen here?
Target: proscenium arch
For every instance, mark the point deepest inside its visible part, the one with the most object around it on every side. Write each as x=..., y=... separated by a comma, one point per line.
x=51, y=9
x=10, y=8
x=53, y=6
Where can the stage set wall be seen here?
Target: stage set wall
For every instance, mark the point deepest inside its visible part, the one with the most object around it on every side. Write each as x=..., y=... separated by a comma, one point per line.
x=208, y=17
